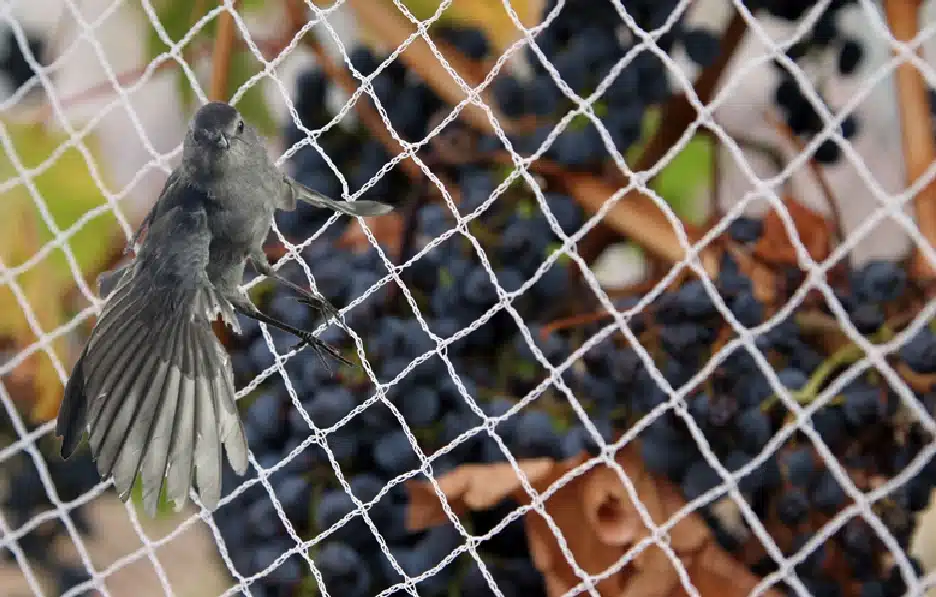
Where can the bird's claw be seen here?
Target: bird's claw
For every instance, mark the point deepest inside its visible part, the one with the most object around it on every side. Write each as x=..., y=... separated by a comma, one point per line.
x=321, y=305
x=322, y=349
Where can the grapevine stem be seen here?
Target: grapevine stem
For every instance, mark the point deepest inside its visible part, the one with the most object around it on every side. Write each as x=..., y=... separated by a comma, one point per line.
x=223, y=47
x=916, y=124
x=817, y=173
x=845, y=355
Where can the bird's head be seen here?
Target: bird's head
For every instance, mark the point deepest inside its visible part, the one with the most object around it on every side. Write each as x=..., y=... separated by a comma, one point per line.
x=218, y=136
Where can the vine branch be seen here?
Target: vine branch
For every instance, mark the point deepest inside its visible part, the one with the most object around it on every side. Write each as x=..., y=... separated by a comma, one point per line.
x=677, y=115
x=916, y=123
x=223, y=47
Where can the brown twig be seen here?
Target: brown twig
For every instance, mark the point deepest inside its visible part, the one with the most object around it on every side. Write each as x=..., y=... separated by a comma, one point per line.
x=223, y=48
x=784, y=130
x=916, y=124
x=637, y=217
x=677, y=114
x=582, y=319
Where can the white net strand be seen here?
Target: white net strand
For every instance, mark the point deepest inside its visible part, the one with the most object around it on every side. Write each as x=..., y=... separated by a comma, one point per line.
x=764, y=189
x=66, y=249
x=422, y=27
x=81, y=147
x=21, y=560
x=61, y=514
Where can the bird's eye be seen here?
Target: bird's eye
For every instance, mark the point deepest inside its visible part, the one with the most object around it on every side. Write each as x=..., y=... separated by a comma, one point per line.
x=240, y=127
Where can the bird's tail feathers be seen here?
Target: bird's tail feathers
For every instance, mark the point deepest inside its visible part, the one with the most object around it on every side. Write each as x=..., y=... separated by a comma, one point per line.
x=352, y=208
x=157, y=390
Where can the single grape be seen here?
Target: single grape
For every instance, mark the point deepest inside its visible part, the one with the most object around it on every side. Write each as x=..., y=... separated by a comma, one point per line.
x=702, y=46
x=850, y=55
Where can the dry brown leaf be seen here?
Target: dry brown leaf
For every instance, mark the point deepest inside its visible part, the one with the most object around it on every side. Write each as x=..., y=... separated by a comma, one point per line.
x=920, y=382
x=608, y=508
x=715, y=572
x=916, y=122
x=598, y=522
x=387, y=229
x=655, y=575
x=471, y=486
x=690, y=533
x=814, y=231
x=638, y=218
x=590, y=554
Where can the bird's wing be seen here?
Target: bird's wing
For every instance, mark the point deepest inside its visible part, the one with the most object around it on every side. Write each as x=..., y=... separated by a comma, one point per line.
x=153, y=384
x=300, y=192
x=171, y=180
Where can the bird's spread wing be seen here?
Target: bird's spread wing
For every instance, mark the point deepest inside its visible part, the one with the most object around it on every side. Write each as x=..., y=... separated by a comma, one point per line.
x=299, y=192
x=154, y=385
x=148, y=220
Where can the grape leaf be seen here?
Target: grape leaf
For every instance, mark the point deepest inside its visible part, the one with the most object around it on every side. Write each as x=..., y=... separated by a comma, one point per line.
x=680, y=180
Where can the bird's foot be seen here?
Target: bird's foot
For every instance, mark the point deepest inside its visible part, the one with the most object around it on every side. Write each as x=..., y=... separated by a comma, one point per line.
x=322, y=305
x=322, y=349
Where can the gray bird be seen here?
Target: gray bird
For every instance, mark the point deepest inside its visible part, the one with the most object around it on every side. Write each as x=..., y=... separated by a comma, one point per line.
x=153, y=386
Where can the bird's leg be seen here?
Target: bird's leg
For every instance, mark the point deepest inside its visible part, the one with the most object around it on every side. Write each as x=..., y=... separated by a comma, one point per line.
x=263, y=266
x=243, y=306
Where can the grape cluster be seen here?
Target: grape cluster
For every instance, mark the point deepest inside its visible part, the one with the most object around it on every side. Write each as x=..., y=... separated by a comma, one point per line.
x=791, y=490
x=582, y=45
x=825, y=37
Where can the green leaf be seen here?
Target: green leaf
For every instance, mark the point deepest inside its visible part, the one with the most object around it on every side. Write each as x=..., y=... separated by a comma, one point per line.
x=252, y=104
x=176, y=17
x=68, y=191
x=681, y=179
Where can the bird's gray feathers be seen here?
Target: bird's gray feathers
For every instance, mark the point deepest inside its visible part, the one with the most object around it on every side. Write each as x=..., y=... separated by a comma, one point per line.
x=153, y=386
x=154, y=382
x=108, y=281
x=364, y=208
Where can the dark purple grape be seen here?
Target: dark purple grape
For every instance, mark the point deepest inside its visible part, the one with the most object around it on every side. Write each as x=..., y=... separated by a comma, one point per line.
x=828, y=152
x=509, y=94
x=343, y=571
x=793, y=507
x=746, y=230
x=699, y=479
x=879, y=281
x=828, y=496
x=850, y=55
x=798, y=466
x=469, y=41
x=536, y=437
x=919, y=352
x=394, y=455
x=702, y=46
x=754, y=429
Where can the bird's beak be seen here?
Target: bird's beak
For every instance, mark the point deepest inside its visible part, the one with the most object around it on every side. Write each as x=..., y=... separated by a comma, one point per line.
x=219, y=140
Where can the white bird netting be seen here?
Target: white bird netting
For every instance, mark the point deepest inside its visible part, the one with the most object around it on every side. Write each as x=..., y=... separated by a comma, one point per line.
x=890, y=206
